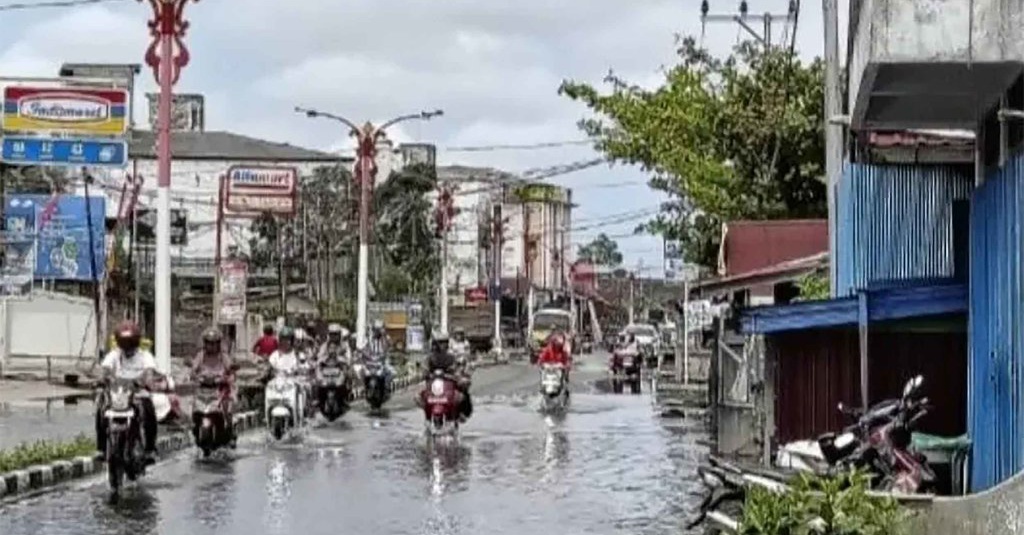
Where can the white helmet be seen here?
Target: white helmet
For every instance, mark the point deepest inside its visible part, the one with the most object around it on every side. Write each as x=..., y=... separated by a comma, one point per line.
x=300, y=334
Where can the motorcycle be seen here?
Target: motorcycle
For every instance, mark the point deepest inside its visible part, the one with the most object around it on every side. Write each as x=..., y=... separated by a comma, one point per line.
x=625, y=368
x=285, y=406
x=878, y=442
x=440, y=402
x=554, y=394
x=125, y=448
x=376, y=383
x=211, y=422
x=333, y=388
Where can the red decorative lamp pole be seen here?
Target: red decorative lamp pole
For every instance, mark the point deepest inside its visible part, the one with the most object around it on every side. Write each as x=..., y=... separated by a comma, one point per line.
x=166, y=55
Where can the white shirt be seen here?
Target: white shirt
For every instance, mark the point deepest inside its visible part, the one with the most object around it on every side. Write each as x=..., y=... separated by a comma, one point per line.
x=129, y=368
x=287, y=363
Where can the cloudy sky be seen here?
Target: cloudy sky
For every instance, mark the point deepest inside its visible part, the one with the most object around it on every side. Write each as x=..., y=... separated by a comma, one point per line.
x=493, y=66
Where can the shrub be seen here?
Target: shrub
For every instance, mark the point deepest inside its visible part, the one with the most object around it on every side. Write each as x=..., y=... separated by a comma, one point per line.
x=45, y=451
x=827, y=506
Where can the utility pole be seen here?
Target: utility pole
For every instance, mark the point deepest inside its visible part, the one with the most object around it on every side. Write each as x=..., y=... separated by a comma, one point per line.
x=632, y=313
x=167, y=28
x=833, y=132
x=444, y=215
x=528, y=254
x=366, y=170
x=282, y=280
x=496, y=245
x=742, y=18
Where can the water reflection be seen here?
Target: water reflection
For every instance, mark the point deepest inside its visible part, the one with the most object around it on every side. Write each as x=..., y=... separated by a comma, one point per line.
x=214, y=500
x=446, y=467
x=279, y=492
x=136, y=511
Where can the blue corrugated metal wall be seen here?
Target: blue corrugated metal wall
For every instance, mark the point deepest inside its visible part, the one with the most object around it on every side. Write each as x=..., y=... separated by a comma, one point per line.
x=996, y=411
x=895, y=222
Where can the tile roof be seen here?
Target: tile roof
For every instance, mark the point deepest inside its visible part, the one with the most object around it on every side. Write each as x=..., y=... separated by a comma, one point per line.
x=225, y=146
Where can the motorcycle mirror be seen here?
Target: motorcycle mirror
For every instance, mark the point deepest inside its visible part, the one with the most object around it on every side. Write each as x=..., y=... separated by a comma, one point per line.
x=912, y=385
x=841, y=407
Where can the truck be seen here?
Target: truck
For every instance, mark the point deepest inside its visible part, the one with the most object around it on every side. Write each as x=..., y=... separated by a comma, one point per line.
x=478, y=323
x=545, y=322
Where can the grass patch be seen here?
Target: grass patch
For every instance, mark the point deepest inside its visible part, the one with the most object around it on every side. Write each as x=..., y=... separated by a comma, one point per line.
x=45, y=451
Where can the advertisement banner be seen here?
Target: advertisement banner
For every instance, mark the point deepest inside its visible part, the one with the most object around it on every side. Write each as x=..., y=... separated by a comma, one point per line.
x=79, y=110
x=60, y=234
x=234, y=275
x=540, y=193
x=261, y=189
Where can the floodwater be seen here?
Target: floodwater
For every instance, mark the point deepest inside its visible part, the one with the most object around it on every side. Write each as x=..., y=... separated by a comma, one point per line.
x=609, y=465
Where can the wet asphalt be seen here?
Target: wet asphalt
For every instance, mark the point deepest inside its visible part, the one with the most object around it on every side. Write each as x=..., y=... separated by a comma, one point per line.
x=608, y=465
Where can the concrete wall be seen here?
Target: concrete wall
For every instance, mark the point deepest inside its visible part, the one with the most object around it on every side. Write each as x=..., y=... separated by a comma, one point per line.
x=47, y=324
x=997, y=510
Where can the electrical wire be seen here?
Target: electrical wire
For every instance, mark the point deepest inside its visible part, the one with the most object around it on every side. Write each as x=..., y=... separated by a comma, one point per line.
x=24, y=6
x=528, y=146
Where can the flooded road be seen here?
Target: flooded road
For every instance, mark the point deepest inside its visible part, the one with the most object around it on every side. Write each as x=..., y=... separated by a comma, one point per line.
x=51, y=419
x=607, y=466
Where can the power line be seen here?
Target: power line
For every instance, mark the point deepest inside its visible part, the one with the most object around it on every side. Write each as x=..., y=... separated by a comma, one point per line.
x=23, y=6
x=528, y=146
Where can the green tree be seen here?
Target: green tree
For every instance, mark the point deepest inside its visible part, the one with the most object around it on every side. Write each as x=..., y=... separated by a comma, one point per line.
x=404, y=232
x=602, y=251
x=739, y=138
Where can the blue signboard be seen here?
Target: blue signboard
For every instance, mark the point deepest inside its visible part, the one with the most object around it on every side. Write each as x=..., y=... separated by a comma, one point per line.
x=60, y=232
x=47, y=151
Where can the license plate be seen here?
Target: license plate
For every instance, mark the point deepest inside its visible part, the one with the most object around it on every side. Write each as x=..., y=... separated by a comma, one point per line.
x=435, y=399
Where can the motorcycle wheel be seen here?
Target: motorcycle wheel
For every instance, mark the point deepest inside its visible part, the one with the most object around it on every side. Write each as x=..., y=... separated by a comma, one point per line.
x=634, y=386
x=616, y=386
x=277, y=428
x=115, y=463
x=205, y=441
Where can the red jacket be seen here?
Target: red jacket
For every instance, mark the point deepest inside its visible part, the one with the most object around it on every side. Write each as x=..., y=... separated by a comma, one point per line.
x=265, y=346
x=550, y=355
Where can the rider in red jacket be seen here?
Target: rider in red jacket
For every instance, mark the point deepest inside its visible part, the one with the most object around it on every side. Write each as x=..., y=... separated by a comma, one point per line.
x=554, y=353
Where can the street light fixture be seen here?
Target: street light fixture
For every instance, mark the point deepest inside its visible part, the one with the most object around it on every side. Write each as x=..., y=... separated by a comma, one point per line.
x=366, y=168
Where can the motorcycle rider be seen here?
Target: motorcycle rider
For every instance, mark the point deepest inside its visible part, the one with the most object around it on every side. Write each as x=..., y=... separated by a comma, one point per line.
x=267, y=343
x=554, y=353
x=128, y=362
x=335, y=343
x=441, y=359
x=289, y=361
x=214, y=361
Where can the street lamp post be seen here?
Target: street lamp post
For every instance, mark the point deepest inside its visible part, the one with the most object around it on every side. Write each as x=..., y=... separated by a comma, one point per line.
x=167, y=56
x=365, y=171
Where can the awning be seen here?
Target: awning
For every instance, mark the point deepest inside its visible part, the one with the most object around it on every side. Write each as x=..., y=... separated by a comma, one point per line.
x=879, y=305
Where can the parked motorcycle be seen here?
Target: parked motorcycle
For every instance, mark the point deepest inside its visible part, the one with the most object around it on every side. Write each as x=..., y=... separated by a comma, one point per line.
x=554, y=391
x=211, y=423
x=333, y=388
x=625, y=368
x=376, y=383
x=125, y=447
x=285, y=405
x=440, y=402
x=878, y=442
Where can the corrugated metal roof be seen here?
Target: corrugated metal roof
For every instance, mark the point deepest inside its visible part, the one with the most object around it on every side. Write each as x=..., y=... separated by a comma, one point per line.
x=783, y=271
x=751, y=245
x=225, y=146
x=896, y=222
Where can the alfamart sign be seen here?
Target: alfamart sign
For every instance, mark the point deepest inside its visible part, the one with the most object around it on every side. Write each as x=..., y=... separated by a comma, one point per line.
x=80, y=111
x=253, y=190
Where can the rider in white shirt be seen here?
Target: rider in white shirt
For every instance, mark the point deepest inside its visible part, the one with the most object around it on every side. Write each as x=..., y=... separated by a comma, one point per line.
x=128, y=362
x=287, y=359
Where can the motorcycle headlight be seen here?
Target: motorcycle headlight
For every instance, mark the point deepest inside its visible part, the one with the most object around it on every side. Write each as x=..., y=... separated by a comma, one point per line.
x=120, y=399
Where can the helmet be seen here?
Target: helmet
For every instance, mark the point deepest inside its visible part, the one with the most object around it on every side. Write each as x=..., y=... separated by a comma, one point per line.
x=286, y=334
x=439, y=337
x=335, y=328
x=557, y=341
x=212, y=335
x=128, y=336
x=268, y=329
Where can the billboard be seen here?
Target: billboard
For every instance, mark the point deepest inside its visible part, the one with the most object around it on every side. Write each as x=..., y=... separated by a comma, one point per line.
x=145, y=225
x=80, y=110
x=541, y=193
x=234, y=276
x=187, y=111
x=261, y=189
x=58, y=230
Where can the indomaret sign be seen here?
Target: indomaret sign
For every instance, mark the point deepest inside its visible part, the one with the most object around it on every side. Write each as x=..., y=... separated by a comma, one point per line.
x=253, y=190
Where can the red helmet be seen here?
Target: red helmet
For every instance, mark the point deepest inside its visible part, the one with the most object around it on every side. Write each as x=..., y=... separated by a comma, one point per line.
x=128, y=336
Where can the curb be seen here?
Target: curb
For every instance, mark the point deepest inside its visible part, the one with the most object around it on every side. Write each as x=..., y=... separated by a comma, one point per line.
x=34, y=478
